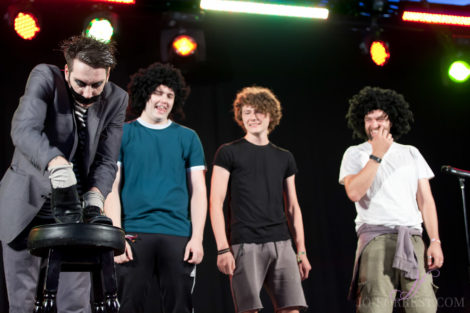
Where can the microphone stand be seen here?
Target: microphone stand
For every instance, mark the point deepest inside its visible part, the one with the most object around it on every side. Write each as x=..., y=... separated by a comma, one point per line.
x=467, y=237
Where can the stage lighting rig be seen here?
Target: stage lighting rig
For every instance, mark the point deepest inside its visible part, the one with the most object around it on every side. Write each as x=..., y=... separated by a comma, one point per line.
x=182, y=42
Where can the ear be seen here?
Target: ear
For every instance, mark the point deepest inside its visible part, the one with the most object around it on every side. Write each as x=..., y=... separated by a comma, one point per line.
x=66, y=73
x=107, y=74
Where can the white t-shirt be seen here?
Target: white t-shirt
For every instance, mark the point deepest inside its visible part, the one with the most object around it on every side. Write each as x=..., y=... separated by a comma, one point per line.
x=391, y=199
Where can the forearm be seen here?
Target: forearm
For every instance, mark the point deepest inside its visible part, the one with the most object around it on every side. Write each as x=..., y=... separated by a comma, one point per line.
x=297, y=228
x=112, y=208
x=112, y=204
x=218, y=224
x=357, y=185
x=198, y=213
x=430, y=219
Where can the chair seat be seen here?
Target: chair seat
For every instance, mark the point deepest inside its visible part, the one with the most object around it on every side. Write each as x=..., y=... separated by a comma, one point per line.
x=75, y=236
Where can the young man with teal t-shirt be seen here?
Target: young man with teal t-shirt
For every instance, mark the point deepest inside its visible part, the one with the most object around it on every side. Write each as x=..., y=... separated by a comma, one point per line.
x=159, y=195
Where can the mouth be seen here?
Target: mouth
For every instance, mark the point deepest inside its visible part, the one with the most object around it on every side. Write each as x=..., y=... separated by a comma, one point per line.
x=161, y=108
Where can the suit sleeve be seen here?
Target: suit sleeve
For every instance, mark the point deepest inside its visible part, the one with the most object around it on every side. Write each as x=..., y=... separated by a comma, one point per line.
x=104, y=167
x=27, y=128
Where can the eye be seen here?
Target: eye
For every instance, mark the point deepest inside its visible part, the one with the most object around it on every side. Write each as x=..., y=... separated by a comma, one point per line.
x=80, y=83
x=96, y=85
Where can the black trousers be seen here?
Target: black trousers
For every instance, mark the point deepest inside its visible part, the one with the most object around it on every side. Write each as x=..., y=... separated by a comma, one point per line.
x=160, y=256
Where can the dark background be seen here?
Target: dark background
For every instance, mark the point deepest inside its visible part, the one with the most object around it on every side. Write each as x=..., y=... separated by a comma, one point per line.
x=314, y=67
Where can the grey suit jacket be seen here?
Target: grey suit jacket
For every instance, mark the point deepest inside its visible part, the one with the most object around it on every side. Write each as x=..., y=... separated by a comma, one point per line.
x=44, y=127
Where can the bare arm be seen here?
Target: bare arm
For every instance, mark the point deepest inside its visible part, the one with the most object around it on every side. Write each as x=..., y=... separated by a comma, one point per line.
x=198, y=195
x=358, y=184
x=219, y=184
x=112, y=209
x=112, y=204
x=294, y=216
x=427, y=207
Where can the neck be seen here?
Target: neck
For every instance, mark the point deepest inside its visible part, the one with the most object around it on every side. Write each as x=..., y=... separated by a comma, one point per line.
x=257, y=139
x=158, y=121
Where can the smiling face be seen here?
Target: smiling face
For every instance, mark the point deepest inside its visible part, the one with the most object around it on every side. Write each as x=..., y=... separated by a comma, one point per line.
x=159, y=106
x=255, y=123
x=374, y=120
x=86, y=82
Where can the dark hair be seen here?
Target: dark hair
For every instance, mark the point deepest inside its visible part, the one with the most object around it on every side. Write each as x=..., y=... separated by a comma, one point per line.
x=375, y=98
x=90, y=51
x=262, y=100
x=145, y=81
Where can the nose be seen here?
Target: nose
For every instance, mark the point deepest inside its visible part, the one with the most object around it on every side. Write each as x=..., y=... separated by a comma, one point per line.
x=88, y=92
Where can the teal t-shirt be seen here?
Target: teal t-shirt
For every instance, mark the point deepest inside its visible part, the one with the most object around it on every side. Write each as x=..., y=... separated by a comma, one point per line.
x=154, y=165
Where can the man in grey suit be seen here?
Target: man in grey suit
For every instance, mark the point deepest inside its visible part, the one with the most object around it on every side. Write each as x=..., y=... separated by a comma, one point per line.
x=67, y=132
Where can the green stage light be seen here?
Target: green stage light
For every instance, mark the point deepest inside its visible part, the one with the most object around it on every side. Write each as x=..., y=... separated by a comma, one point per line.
x=459, y=71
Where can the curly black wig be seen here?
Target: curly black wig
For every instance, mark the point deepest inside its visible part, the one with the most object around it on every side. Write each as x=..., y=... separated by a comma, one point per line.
x=90, y=51
x=145, y=81
x=375, y=98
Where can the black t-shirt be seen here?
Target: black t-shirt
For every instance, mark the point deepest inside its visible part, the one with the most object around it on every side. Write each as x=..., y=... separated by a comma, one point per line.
x=256, y=185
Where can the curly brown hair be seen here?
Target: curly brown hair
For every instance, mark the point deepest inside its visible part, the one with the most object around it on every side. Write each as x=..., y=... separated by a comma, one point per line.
x=262, y=100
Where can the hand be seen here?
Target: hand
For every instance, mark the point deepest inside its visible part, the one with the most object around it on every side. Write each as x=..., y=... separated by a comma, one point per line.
x=226, y=263
x=195, y=250
x=126, y=256
x=381, y=142
x=434, y=256
x=304, y=266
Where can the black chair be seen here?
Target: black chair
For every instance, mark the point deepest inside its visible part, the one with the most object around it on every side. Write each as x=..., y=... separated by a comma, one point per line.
x=77, y=248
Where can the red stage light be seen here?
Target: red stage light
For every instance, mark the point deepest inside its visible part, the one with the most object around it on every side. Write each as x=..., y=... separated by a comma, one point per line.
x=26, y=25
x=379, y=53
x=184, y=45
x=116, y=1
x=436, y=18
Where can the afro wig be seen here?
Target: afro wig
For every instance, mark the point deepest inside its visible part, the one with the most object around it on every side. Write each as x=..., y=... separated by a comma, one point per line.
x=375, y=98
x=145, y=81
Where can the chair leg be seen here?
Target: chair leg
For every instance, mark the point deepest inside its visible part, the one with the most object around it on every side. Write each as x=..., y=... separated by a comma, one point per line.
x=98, y=305
x=109, y=282
x=39, y=291
x=52, y=273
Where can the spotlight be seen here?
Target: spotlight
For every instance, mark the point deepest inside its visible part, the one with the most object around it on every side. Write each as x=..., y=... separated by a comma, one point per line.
x=101, y=25
x=459, y=71
x=24, y=20
x=379, y=52
x=26, y=25
x=184, y=45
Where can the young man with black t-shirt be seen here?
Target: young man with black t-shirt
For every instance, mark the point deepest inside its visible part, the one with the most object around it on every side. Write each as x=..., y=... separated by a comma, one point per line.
x=260, y=175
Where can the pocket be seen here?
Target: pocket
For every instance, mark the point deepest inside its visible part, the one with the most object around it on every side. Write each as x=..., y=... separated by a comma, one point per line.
x=237, y=251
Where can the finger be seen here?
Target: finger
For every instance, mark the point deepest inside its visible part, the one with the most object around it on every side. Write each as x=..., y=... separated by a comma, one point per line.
x=186, y=252
x=194, y=256
x=232, y=266
x=129, y=254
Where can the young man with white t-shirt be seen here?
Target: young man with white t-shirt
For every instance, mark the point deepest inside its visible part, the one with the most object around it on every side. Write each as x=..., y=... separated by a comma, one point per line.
x=389, y=183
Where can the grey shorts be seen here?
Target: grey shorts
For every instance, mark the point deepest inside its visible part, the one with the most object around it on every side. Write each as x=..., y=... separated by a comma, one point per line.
x=272, y=265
